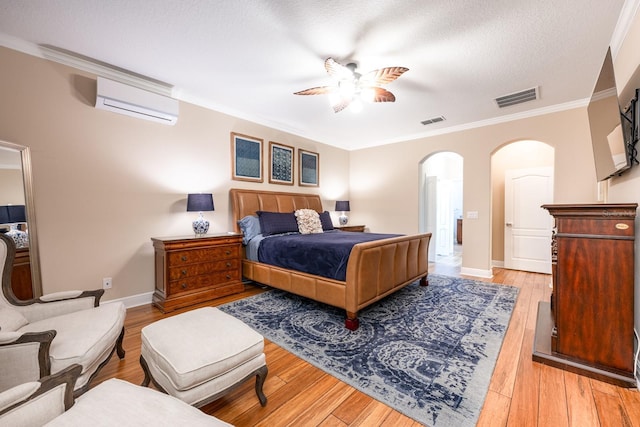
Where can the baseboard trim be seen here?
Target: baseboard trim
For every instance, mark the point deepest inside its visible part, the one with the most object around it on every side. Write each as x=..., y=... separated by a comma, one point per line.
x=134, y=300
x=487, y=274
x=497, y=263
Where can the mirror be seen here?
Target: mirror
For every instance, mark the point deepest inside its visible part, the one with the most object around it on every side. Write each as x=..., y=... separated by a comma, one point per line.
x=15, y=169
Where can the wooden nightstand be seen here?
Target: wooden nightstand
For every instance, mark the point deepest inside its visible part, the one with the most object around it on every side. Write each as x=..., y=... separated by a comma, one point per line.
x=190, y=269
x=359, y=228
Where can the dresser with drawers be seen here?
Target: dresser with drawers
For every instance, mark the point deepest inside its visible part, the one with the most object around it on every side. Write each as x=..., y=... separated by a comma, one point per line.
x=587, y=326
x=190, y=270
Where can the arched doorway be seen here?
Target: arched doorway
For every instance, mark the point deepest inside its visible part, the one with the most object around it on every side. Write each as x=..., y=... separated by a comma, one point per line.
x=532, y=163
x=441, y=206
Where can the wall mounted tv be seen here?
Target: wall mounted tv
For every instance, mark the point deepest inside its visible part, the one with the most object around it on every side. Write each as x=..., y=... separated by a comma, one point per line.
x=614, y=131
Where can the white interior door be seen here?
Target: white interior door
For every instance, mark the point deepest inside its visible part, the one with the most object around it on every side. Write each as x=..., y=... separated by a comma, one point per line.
x=527, y=232
x=444, y=237
x=431, y=197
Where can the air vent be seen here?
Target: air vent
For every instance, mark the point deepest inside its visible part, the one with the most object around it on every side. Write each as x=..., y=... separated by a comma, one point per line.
x=518, y=97
x=433, y=120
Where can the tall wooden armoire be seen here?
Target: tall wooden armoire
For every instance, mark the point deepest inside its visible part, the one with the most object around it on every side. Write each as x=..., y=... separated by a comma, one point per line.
x=587, y=327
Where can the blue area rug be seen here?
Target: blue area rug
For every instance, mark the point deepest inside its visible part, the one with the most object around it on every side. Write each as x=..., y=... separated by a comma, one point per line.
x=428, y=352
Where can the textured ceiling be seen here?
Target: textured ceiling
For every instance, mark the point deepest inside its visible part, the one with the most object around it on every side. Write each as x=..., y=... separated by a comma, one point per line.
x=248, y=57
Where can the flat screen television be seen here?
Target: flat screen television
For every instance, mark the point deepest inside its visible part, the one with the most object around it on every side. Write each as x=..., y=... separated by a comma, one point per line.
x=613, y=130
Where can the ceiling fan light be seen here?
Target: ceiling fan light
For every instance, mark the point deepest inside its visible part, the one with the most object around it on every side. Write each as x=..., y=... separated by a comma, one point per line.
x=335, y=98
x=356, y=105
x=367, y=94
x=346, y=88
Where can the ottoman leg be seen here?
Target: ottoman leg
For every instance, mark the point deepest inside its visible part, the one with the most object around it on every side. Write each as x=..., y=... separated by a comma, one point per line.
x=148, y=377
x=261, y=375
x=147, y=374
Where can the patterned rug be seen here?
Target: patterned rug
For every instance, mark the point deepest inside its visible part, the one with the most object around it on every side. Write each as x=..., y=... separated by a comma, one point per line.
x=428, y=352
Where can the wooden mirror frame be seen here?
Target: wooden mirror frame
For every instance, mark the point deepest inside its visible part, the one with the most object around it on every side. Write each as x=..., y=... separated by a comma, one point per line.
x=27, y=180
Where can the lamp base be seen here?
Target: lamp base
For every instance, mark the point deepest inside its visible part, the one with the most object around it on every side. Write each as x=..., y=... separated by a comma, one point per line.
x=200, y=225
x=343, y=219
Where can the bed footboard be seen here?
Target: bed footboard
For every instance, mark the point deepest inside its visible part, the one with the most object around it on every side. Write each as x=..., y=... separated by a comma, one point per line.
x=379, y=268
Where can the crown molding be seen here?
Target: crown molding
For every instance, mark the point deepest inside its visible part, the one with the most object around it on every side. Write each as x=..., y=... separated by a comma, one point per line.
x=87, y=64
x=581, y=103
x=625, y=21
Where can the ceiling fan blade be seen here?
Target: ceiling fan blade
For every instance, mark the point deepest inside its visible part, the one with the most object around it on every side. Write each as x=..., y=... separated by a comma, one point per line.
x=321, y=90
x=341, y=105
x=383, y=75
x=337, y=70
x=382, y=95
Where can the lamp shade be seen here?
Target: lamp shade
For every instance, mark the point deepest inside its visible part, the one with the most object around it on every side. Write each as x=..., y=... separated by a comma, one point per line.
x=11, y=214
x=342, y=205
x=17, y=213
x=4, y=215
x=199, y=202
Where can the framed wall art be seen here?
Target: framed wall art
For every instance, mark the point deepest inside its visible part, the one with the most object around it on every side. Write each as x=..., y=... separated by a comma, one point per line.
x=246, y=158
x=280, y=163
x=309, y=167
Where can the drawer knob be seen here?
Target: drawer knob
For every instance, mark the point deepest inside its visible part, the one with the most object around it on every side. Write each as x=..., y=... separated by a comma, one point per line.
x=184, y=272
x=228, y=264
x=184, y=286
x=183, y=258
x=228, y=252
x=228, y=276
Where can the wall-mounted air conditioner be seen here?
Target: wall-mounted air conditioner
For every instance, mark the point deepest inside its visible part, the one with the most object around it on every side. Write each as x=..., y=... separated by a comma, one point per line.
x=135, y=102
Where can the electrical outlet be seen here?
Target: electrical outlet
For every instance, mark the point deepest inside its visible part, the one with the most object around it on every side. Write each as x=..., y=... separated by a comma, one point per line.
x=107, y=283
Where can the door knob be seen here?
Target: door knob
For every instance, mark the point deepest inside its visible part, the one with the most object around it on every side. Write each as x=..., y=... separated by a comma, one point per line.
x=509, y=224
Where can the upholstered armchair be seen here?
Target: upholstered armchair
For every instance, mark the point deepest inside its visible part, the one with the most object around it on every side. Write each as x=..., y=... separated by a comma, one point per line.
x=49, y=402
x=45, y=335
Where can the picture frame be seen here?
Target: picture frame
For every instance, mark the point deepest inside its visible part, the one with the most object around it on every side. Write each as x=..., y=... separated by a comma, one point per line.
x=308, y=168
x=280, y=163
x=246, y=158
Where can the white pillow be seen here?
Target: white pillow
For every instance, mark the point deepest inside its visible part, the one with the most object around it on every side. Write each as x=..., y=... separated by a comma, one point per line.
x=308, y=221
x=11, y=320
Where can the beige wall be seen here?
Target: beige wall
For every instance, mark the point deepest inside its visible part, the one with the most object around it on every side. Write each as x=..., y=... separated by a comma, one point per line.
x=384, y=180
x=11, y=187
x=106, y=183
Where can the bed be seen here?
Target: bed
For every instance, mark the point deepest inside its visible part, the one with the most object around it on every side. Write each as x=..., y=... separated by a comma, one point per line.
x=374, y=269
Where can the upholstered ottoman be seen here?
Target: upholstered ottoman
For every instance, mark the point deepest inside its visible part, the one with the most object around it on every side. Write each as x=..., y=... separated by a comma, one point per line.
x=202, y=354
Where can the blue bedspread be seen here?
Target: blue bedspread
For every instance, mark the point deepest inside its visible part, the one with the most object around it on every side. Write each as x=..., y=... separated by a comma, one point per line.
x=323, y=254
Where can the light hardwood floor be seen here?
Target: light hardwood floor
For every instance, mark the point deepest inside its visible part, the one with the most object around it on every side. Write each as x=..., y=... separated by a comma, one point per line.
x=521, y=393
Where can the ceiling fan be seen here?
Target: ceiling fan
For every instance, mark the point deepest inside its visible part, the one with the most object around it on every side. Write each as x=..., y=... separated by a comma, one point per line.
x=352, y=87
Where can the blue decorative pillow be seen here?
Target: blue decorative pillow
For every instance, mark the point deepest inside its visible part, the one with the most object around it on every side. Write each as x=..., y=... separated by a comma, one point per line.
x=325, y=220
x=277, y=222
x=250, y=226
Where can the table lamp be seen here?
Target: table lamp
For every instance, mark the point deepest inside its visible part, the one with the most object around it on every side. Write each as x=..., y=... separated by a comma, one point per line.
x=342, y=206
x=199, y=203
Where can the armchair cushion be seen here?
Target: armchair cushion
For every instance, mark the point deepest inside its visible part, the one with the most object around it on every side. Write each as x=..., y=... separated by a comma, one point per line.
x=9, y=337
x=120, y=403
x=75, y=343
x=11, y=320
x=17, y=394
x=40, y=409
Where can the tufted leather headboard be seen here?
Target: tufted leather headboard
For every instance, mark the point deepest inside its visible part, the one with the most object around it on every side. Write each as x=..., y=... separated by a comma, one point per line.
x=248, y=202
